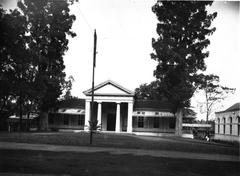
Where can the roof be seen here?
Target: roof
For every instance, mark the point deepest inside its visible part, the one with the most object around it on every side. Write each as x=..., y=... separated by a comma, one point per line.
x=151, y=105
x=125, y=92
x=71, y=111
x=235, y=107
x=73, y=103
x=31, y=116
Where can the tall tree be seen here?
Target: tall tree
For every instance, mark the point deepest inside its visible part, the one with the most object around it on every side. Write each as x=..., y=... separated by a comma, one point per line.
x=49, y=23
x=183, y=28
x=214, y=93
x=15, y=61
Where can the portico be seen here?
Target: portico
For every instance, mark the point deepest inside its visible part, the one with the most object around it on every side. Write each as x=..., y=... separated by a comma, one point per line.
x=113, y=107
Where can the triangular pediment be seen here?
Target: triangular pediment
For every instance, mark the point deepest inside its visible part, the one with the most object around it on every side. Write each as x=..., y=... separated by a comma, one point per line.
x=109, y=88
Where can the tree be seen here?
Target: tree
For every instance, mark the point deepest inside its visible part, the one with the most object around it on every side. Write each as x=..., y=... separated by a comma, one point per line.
x=148, y=91
x=15, y=61
x=68, y=88
x=180, y=50
x=214, y=92
x=49, y=23
x=151, y=92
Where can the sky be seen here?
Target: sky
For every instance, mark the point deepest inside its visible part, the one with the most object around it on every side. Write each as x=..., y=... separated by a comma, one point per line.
x=125, y=29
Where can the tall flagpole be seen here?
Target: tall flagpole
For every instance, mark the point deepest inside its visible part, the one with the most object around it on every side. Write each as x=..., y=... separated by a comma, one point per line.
x=94, y=65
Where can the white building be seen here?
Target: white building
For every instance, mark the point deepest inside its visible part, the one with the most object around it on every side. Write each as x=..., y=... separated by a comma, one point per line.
x=116, y=110
x=227, y=124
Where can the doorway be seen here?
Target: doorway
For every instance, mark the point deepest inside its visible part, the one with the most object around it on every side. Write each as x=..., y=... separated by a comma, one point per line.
x=111, y=122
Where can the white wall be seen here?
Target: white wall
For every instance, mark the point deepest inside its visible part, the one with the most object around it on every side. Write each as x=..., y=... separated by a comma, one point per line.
x=227, y=136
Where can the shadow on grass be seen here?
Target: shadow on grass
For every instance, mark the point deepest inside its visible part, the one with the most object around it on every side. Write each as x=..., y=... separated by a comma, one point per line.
x=121, y=141
x=106, y=164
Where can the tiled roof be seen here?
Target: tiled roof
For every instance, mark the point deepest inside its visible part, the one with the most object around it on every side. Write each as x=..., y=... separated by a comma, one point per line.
x=151, y=105
x=234, y=107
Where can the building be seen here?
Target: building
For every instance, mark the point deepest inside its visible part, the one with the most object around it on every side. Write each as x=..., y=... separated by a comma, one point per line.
x=70, y=115
x=152, y=117
x=29, y=122
x=115, y=110
x=227, y=124
x=113, y=106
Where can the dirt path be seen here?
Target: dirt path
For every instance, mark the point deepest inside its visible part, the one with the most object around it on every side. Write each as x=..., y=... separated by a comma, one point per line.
x=118, y=151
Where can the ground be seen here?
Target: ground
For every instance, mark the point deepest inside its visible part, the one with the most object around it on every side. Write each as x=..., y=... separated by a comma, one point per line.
x=133, y=162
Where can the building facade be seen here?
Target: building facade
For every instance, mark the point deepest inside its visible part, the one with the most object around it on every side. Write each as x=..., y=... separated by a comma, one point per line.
x=113, y=107
x=227, y=124
x=69, y=115
x=115, y=110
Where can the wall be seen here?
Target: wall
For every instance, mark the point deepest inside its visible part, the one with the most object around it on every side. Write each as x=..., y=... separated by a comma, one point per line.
x=164, y=125
x=219, y=126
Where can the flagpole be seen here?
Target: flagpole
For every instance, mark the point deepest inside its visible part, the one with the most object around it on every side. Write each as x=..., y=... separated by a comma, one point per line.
x=94, y=65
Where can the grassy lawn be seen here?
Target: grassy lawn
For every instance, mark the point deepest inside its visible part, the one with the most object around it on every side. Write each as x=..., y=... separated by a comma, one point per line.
x=42, y=162
x=122, y=141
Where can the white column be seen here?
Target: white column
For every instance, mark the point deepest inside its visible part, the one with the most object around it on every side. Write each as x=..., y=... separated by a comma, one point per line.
x=129, y=119
x=99, y=114
x=117, y=129
x=87, y=115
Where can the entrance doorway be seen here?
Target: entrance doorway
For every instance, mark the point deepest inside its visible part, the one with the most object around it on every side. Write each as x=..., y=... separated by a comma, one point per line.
x=111, y=122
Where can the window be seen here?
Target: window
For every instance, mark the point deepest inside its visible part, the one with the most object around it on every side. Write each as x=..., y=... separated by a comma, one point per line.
x=230, y=124
x=65, y=120
x=156, y=122
x=218, y=125
x=81, y=120
x=140, y=122
x=224, y=125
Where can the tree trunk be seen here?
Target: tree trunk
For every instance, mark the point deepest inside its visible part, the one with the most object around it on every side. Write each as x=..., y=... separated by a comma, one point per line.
x=43, y=121
x=178, y=127
x=28, y=121
x=20, y=112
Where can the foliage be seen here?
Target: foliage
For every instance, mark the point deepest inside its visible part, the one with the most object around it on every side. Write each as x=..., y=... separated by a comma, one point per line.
x=68, y=87
x=148, y=92
x=93, y=127
x=213, y=91
x=33, y=42
x=179, y=49
x=15, y=62
x=48, y=24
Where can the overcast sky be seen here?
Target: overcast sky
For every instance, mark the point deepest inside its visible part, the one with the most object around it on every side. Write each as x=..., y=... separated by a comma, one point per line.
x=125, y=29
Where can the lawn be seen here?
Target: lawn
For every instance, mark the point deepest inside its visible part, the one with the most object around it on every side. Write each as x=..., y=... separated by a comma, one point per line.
x=105, y=164
x=122, y=141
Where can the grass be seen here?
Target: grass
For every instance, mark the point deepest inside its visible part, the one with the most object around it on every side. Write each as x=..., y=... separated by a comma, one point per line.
x=42, y=162
x=122, y=141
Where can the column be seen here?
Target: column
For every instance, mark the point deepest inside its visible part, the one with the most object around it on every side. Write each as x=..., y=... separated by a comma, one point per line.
x=99, y=114
x=87, y=115
x=129, y=119
x=117, y=127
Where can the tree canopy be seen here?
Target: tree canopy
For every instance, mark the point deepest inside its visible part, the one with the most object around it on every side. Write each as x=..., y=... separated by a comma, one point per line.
x=180, y=50
x=213, y=92
x=148, y=91
x=33, y=43
x=183, y=27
